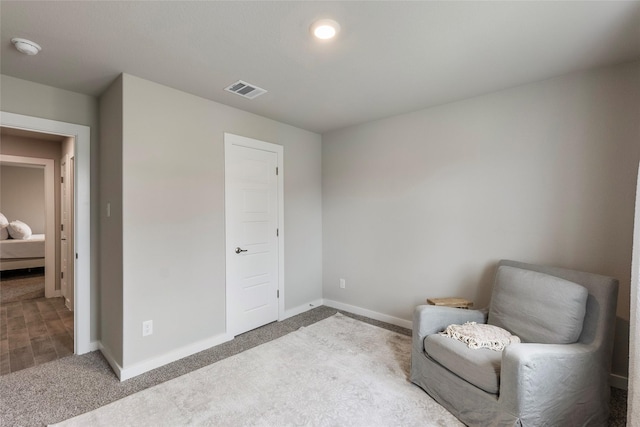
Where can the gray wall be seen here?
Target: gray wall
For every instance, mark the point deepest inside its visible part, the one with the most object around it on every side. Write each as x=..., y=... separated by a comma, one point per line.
x=173, y=215
x=424, y=204
x=110, y=155
x=22, y=195
x=36, y=100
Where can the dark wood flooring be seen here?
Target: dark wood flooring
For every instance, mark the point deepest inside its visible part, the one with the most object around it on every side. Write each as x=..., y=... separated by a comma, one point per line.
x=33, y=332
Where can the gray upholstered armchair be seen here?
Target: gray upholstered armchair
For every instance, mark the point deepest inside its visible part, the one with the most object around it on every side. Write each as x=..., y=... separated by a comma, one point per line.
x=557, y=376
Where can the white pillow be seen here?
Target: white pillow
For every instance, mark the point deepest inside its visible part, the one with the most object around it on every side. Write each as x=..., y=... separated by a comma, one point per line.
x=4, y=225
x=19, y=230
x=481, y=336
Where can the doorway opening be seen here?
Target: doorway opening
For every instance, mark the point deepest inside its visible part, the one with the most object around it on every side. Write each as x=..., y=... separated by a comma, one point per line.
x=36, y=261
x=74, y=299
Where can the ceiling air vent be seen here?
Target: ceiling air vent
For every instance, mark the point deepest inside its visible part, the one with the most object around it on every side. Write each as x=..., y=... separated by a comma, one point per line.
x=246, y=90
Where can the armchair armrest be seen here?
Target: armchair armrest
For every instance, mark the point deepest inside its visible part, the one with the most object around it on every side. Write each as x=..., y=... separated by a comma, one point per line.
x=537, y=379
x=429, y=319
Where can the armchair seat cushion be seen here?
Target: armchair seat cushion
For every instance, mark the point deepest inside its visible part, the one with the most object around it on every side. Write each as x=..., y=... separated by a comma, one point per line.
x=480, y=367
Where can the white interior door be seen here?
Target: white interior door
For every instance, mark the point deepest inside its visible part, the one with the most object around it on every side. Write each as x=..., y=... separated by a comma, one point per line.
x=67, y=265
x=71, y=237
x=64, y=226
x=252, y=234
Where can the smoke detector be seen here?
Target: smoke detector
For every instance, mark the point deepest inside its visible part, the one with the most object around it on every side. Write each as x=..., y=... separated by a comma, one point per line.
x=26, y=46
x=246, y=90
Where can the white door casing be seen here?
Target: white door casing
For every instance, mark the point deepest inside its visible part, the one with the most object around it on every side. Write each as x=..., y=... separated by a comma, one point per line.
x=254, y=235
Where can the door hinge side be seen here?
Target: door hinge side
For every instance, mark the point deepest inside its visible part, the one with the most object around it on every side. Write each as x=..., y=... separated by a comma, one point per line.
x=277, y=232
x=278, y=293
x=276, y=170
x=62, y=274
x=62, y=180
x=61, y=227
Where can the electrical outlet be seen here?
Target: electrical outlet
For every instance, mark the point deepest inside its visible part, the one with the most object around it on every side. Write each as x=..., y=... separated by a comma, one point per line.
x=147, y=328
x=343, y=283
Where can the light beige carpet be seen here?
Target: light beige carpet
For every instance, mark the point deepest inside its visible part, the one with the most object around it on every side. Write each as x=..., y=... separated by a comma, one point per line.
x=336, y=372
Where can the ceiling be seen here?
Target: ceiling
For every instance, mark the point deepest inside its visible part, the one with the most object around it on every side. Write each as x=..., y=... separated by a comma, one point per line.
x=389, y=58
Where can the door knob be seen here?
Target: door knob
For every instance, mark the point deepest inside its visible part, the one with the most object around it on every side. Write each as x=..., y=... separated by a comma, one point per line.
x=238, y=250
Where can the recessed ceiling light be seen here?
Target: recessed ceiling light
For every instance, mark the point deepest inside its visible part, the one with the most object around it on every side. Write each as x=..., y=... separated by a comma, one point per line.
x=26, y=46
x=325, y=29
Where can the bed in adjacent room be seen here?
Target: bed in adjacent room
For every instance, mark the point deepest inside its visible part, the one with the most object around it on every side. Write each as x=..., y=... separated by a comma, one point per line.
x=17, y=254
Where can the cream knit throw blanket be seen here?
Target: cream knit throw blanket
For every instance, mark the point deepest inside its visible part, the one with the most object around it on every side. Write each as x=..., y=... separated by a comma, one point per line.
x=481, y=336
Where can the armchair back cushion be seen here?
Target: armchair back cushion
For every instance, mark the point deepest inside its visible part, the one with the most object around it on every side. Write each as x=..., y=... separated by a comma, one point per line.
x=537, y=307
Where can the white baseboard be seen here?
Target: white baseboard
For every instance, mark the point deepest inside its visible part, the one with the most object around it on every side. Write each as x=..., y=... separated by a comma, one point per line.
x=112, y=362
x=301, y=309
x=177, y=354
x=618, y=381
x=368, y=313
x=94, y=345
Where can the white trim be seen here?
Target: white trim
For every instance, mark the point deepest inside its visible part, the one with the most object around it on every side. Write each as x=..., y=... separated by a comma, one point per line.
x=172, y=356
x=95, y=345
x=281, y=307
x=618, y=381
x=279, y=150
x=633, y=398
x=301, y=309
x=369, y=313
x=117, y=369
x=49, y=217
x=82, y=196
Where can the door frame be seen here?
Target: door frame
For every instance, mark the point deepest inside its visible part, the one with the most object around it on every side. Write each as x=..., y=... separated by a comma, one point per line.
x=49, y=217
x=242, y=141
x=82, y=215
